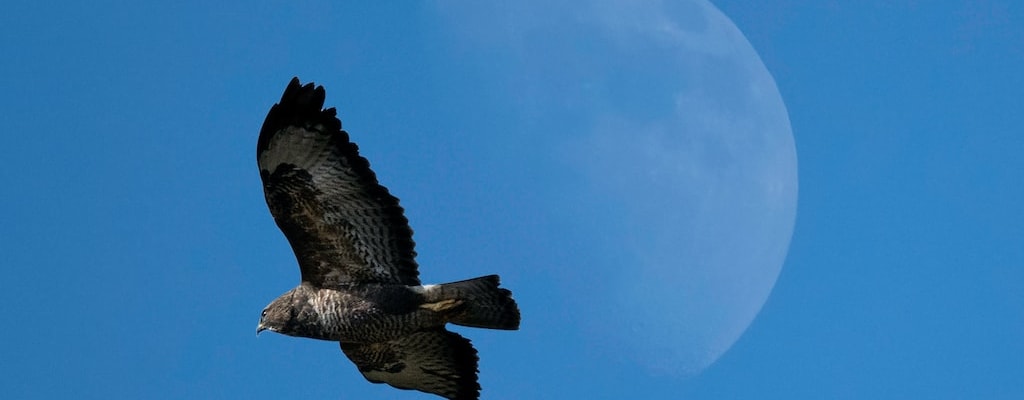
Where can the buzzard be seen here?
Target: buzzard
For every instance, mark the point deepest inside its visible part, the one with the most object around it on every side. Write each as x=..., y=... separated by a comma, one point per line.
x=360, y=285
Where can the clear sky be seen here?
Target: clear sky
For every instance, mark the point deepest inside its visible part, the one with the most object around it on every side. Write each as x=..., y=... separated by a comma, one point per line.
x=137, y=249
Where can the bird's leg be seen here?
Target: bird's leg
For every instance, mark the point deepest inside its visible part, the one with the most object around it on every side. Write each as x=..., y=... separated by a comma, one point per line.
x=442, y=306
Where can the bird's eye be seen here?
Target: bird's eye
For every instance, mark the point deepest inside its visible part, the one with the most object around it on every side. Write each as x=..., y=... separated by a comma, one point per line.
x=264, y=314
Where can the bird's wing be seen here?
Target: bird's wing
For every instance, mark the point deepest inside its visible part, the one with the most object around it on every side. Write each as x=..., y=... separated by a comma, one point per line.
x=343, y=226
x=434, y=361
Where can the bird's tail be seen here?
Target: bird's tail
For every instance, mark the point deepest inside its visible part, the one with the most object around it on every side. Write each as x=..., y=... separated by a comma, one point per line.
x=483, y=303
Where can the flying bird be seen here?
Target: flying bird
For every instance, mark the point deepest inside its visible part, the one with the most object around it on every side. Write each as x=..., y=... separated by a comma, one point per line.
x=360, y=284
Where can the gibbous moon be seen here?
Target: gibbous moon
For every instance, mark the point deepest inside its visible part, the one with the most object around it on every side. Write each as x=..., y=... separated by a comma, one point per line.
x=680, y=167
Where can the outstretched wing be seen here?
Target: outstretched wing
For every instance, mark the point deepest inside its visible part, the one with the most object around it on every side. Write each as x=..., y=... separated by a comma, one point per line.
x=433, y=361
x=343, y=226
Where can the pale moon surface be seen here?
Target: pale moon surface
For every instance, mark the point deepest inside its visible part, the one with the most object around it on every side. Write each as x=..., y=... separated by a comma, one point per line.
x=681, y=179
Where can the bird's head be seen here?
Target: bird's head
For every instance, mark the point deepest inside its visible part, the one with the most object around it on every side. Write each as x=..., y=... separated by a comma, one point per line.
x=279, y=315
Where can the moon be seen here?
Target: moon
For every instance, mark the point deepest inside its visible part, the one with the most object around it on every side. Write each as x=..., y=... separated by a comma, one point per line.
x=678, y=167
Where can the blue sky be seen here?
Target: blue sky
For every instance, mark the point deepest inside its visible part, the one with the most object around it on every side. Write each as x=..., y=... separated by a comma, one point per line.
x=138, y=249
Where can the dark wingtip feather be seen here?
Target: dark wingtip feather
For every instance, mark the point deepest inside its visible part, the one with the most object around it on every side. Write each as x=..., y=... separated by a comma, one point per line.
x=300, y=105
x=466, y=358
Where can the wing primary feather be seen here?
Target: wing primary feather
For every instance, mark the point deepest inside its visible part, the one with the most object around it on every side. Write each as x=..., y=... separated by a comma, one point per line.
x=300, y=105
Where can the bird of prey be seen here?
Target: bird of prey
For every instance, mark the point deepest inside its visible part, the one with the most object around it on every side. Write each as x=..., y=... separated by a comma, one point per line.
x=360, y=285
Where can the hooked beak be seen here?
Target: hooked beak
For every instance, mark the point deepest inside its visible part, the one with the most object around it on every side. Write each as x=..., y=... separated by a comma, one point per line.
x=260, y=328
